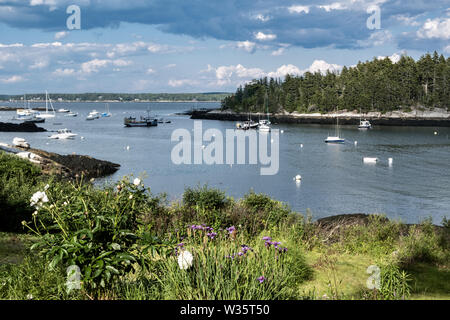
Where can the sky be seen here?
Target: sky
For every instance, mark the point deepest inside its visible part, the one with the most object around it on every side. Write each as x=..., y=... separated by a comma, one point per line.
x=176, y=46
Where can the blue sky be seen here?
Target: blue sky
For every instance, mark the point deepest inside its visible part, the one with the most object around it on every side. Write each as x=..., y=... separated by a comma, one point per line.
x=203, y=45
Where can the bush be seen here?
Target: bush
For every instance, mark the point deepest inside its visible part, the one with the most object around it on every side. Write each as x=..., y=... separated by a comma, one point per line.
x=92, y=229
x=18, y=178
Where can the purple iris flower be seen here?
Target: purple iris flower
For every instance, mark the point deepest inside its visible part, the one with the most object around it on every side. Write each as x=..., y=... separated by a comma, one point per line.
x=261, y=279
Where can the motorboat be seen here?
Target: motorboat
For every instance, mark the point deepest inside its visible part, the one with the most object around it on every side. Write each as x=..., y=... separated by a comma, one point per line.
x=64, y=134
x=71, y=114
x=142, y=122
x=62, y=110
x=94, y=114
x=364, y=124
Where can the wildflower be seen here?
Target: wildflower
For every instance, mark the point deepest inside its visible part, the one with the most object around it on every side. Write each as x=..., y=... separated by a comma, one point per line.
x=130, y=197
x=24, y=223
x=261, y=279
x=231, y=229
x=240, y=254
x=185, y=260
x=38, y=199
x=180, y=245
x=137, y=182
x=267, y=238
x=211, y=235
x=30, y=296
x=245, y=248
x=34, y=215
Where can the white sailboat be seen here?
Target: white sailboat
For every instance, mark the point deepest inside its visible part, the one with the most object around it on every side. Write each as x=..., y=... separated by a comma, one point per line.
x=336, y=138
x=264, y=125
x=47, y=115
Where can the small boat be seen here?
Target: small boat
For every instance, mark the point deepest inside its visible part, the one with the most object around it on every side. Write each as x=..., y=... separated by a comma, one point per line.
x=63, y=134
x=62, y=110
x=364, y=124
x=20, y=142
x=143, y=122
x=264, y=124
x=94, y=114
x=336, y=138
x=47, y=115
x=106, y=114
x=71, y=114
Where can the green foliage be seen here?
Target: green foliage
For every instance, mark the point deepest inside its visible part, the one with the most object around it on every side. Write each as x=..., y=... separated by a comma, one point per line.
x=394, y=283
x=92, y=229
x=377, y=85
x=18, y=178
x=34, y=280
x=230, y=267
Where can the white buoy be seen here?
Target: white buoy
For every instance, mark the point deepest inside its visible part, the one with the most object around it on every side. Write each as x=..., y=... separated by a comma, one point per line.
x=282, y=131
x=82, y=138
x=356, y=143
x=203, y=147
x=271, y=140
x=390, y=161
x=301, y=145
x=128, y=147
x=298, y=177
x=435, y=133
x=370, y=160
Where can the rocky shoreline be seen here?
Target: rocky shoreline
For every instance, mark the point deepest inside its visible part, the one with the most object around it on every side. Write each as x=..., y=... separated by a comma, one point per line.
x=433, y=118
x=65, y=166
x=20, y=127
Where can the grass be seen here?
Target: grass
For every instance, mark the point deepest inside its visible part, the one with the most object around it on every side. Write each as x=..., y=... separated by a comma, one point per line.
x=125, y=237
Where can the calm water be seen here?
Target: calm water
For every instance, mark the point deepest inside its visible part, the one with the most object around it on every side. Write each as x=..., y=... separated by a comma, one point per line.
x=335, y=180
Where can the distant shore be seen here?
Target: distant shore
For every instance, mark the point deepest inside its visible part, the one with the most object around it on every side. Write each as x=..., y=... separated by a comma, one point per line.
x=416, y=117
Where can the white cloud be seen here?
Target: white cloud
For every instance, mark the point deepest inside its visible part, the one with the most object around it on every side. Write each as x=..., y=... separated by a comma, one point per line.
x=182, y=82
x=377, y=38
x=246, y=46
x=447, y=49
x=265, y=37
x=298, y=9
x=395, y=57
x=435, y=28
x=284, y=70
x=261, y=17
x=61, y=35
x=40, y=64
x=323, y=66
x=333, y=6
x=278, y=52
x=63, y=72
x=93, y=66
x=14, y=45
x=12, y=79
x=150, y=71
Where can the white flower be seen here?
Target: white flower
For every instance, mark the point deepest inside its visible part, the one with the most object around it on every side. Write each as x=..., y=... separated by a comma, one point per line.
x=185, y=260
x=130, y=197
x=46, y=187
x=38, y=199
x=137, y=181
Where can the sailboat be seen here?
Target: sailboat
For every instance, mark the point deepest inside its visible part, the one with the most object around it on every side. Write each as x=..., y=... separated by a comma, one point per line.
x=47, y=115
x=264, y=125
x=106, y=113
x=336, y=138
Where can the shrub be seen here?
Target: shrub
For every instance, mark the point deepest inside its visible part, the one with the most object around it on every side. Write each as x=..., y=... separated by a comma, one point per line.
x=90, y=228
x=18, y=178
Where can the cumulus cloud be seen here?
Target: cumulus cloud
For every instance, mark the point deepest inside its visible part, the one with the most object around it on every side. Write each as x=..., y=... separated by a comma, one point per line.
x=12, y=79
x=435, y=28
x=61, y=35
x=265, y=37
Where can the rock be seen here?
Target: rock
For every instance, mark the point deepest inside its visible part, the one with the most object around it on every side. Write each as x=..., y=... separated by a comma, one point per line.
x=20, y=127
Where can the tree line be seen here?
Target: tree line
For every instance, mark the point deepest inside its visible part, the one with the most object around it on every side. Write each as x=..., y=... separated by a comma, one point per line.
x=377, y=85
x=126, y=97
